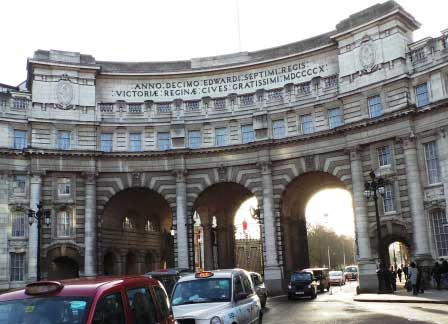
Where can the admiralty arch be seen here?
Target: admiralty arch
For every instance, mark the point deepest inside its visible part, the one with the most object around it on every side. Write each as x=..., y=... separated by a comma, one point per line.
x=124, y=156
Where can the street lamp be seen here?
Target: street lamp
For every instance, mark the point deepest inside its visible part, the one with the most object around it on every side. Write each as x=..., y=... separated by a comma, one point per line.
x=37, y=215
x=371, y=190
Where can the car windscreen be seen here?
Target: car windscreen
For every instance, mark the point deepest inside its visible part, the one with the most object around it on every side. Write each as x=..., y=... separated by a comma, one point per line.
x=351, y=269
x=48, y=310
x=300, y=276
x=335, y=273
x=210, y=290
x=167, y=281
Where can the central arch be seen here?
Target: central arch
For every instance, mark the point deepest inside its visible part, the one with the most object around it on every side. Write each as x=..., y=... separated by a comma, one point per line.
x=136, y=232
x=293, y=211
x=215, y=245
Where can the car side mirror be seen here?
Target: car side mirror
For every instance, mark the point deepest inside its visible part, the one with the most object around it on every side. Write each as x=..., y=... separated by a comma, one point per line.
x=241, y=296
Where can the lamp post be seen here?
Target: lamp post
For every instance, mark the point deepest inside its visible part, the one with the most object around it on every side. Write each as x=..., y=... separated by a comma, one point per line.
x=37, y=215
x=371, y=190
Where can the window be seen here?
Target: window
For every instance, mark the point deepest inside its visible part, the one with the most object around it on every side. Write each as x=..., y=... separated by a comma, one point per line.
x=219, y=103
x=303, y=88
x=135, y=142
x=106, y=142
x=221, y=136
x=163, y=301
x=440, y=231
x=275, y=95
x=237, y=285
x=18, y=224
x=20, y=103
x=149, y=227
x=64, y=187
x=421, y=93
x=19, y=184
x=164, y=108
x=19, y=139
x=106, y=108
x=335, y=117
x=307, y=124
x=278, y=128
x=418, y=55
x=432, y=162
x=192, y=105
x=331, y=81
x=109, y=310
x=247, y=100
x=3, y=102
x=135, y=108
x=128, y=223
x=194, y=139
x=64, y=140
x=384, y=156
x=17, y=266
x=64, y=224
x=388, y=198
x=247, y=284
x=248, y=134
x=164, y=141
x=142, y=306
x=375, y=108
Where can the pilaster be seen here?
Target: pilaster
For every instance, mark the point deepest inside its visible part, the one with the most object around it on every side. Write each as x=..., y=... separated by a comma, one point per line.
x=90, y=262
x=181, y=219
x=35, y=197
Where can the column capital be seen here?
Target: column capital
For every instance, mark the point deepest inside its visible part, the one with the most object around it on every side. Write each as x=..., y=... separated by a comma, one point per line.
x=408, y=140
x=265, y=166
x=180, y=174
x=354, y=152
x=90, y=177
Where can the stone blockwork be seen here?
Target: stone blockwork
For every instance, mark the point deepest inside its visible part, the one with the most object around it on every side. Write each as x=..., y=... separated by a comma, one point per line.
x=124, y=154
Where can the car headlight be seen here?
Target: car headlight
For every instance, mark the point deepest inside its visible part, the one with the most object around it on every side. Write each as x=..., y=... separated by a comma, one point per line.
x=215, y=320
x=309, y=286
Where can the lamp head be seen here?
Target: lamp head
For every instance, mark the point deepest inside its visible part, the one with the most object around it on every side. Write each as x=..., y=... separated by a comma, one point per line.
x=31, y=215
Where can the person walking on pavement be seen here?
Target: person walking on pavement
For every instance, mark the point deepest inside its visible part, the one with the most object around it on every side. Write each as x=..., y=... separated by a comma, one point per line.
x=444, y=273
x=412, y=274
x=393, y=278
x=405, y=271
x=436, y=273
x=420, y=280
x=399, y=273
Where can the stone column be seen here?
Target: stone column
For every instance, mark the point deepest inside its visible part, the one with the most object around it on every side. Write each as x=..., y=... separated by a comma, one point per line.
x=35, y=197
x=442, y=146
x=181, y=220
x=421, y=249
x=272, y=270
x=368, y=281
x=208, y=246
x=90, y=227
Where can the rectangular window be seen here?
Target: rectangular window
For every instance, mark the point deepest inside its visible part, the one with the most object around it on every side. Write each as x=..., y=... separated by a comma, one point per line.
x=19, y=139
x=64, y=140
x=64, y=187
x=17, y=266
x=194, y=139
x=248, y=134
x=335, y=117
x=64, y=224
x=164, y=108
x=307, y=124
x=221, y=136
x=163, y=141
x=418, y=55
x=421, y=94
x=432, y=162
x=275, y=95
x=110, y=310
x=106, y=142
x=278, y=128
x=135, y=142
x=219, y=103
x=106, y=108
x=384, y=156
x=19, y=184
x=142, y=306
x=375, y=107
x=331, y=81
x=135, y=108
x=440, y=231
x=303, y=88
x=18, y=223
x=20, y=103
x=192, y=105
x=247, y=100
x=388, y=198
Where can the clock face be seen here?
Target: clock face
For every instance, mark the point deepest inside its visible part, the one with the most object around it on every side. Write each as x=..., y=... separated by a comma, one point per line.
x=367, y=56
x=65, y=92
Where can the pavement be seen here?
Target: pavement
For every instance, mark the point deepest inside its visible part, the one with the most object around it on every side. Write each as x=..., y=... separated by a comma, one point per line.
x=430, y=296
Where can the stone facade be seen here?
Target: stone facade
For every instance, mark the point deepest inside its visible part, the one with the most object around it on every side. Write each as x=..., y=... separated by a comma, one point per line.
x=86, y=137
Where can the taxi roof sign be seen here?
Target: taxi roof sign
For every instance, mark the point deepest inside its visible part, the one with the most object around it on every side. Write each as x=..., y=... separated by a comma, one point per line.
x=43, y=287
x=204, y=274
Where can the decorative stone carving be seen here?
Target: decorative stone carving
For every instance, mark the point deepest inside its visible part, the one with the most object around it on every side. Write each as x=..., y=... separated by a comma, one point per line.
x=222, y=172
x=310, y=163
x=367, y=55
x=136, y=179
x=64, y=93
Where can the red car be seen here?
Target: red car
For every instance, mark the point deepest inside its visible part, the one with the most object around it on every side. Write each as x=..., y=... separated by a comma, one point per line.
x=103, y=300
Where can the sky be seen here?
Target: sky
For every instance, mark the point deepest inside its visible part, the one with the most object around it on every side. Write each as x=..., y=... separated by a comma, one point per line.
x=165, y=30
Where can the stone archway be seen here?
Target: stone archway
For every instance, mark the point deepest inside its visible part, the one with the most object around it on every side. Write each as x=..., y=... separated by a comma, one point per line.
x=63, y=267
x=293, y=221
x=135, y=219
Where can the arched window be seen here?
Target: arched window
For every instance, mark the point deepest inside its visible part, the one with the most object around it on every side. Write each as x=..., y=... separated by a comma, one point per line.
x=64, y=223
x=439, y=226
x=18, y=220
x=149, y=226
x=128, y=223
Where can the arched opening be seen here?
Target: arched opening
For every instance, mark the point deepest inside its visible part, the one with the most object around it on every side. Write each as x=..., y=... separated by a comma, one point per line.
x=214, y=225
x=134, y=221
x=299, y=237
x=63, y=267
x=398, y=254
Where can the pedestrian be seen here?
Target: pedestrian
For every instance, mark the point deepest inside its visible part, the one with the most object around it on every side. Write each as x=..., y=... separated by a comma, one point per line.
x=444, y=273
x=420, y=280
x=405, y=271
x=412, y=275
x=393, y=278
x=399, y=273
x=436, y=273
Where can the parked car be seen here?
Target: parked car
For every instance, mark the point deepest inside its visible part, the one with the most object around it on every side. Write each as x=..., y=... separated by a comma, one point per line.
x=168, y=277
x=216, y=297
x=322, y=276
x=337, y=278
x=260, y=287
x=301, y=284
x=136, y=299
x=351, y=273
